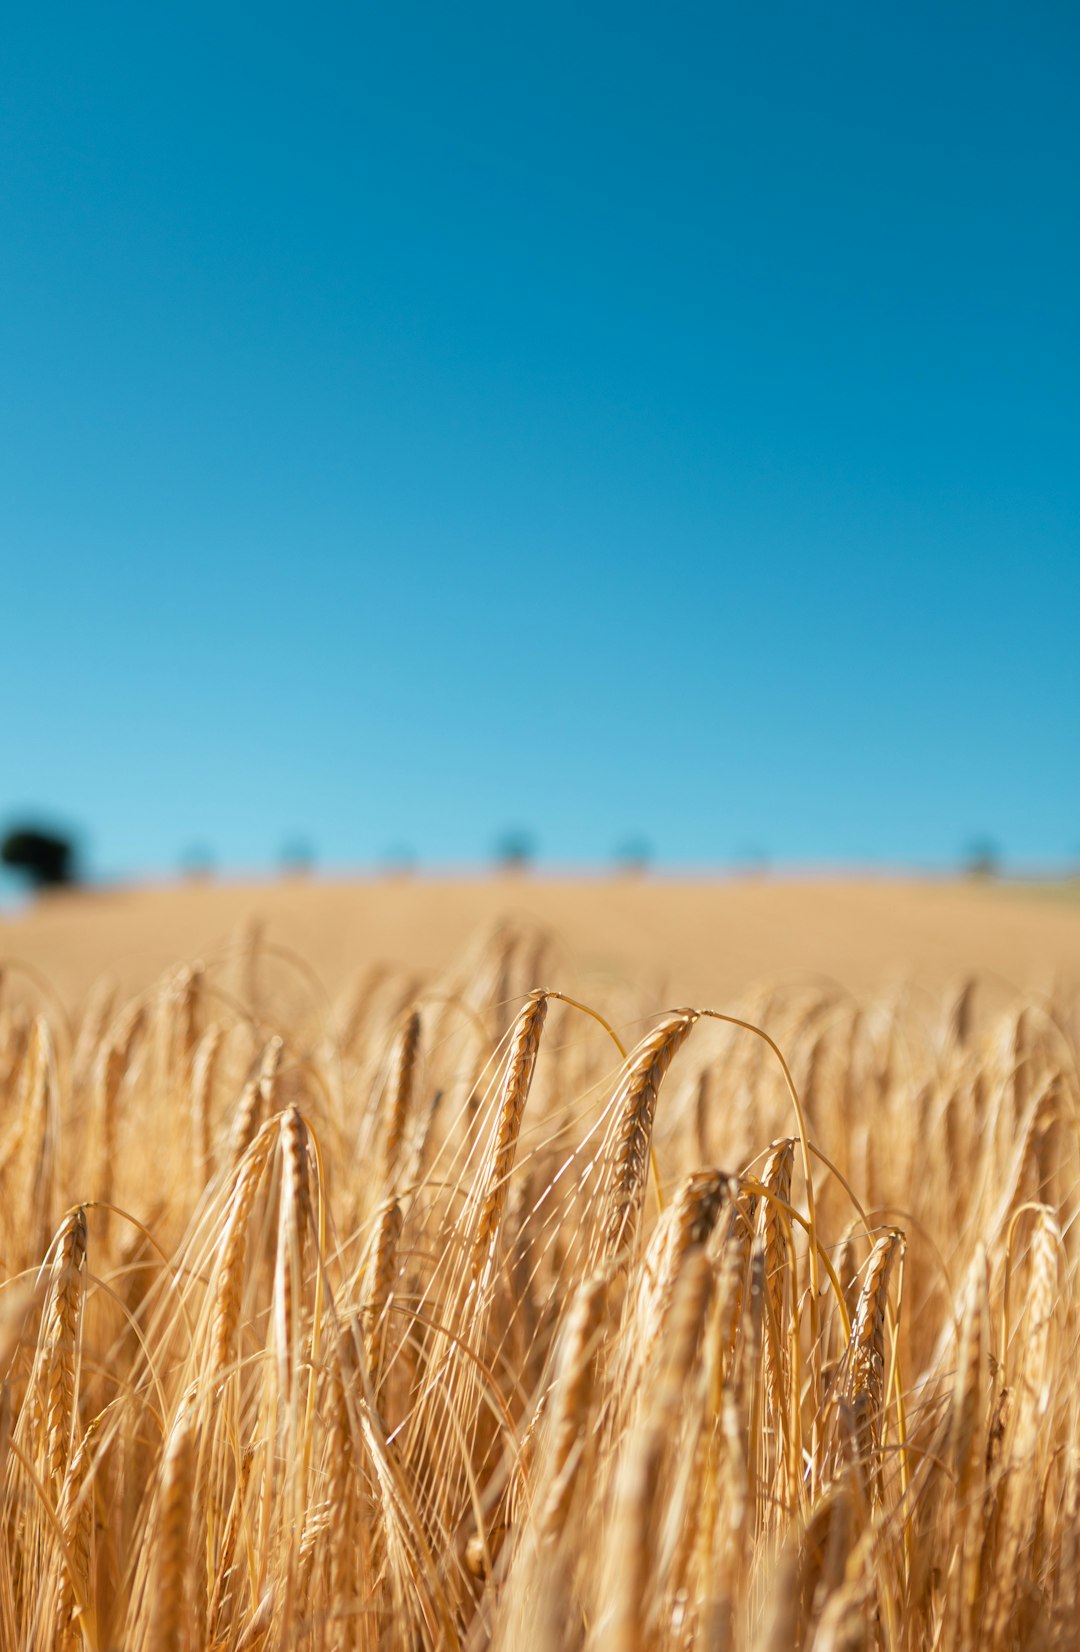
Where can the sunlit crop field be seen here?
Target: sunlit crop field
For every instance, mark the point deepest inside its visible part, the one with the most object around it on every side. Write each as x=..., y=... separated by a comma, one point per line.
x=563, y=1280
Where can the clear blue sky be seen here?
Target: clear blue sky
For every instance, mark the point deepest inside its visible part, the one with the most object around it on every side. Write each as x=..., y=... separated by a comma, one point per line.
x=419, y=421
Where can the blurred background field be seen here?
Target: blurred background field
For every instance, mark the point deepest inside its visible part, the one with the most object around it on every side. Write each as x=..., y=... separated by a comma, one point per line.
x=685, y=940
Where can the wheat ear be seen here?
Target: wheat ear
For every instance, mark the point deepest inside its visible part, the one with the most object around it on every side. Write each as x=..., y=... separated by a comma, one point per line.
x=61, y=1339
x=521, y=1064
x=399, y=1095
x=864, y=1387
x=232, y=1249
x=171, y=1546
x=635, y=1109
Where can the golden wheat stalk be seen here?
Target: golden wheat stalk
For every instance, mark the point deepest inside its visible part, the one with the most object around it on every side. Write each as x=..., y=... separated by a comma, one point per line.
x=171, y=1555
x=634, y=1106
x=517, y=1081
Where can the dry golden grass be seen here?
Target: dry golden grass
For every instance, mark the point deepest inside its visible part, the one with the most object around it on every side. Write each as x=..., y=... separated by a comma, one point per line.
x=447, y=1311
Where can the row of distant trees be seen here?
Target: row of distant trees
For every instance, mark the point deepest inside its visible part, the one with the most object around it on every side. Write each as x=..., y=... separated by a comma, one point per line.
x=48, y=859
x=513, y=851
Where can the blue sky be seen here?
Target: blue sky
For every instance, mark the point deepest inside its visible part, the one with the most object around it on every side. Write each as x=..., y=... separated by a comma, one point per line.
x=655, y=422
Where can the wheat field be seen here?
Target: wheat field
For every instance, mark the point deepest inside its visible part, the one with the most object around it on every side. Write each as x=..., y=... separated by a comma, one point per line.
x=502, y=1302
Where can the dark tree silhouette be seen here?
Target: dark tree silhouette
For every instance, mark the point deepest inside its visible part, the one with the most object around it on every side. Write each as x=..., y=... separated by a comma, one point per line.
x=46, y=859
x=297, y=857
x=197, y=862
x=399, y=861
x=751, y=861
x=632, y=857
x=981, y=859
x=513, y=850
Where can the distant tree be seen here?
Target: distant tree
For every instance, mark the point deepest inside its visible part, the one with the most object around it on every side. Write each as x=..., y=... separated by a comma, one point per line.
x=982, y=858
x=514, y=850
x=46, y=859
x=751, y=861
x=632, y=857
x=399, y=861
x=197, y=862
x=297, y=857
